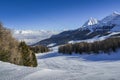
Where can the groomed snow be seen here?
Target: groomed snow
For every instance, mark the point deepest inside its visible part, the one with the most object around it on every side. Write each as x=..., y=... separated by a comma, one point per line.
x=54, y=66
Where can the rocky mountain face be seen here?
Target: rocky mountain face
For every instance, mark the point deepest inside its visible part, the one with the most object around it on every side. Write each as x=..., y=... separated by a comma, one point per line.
x=14, y=52
x=90, y=22
x=90, y=29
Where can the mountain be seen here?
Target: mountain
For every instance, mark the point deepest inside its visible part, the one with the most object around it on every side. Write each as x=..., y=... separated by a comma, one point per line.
x=32, y=36
x=110, y=17
x=92, y=28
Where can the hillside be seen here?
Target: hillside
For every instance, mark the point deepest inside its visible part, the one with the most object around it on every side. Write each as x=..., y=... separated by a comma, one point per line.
x=14, y=52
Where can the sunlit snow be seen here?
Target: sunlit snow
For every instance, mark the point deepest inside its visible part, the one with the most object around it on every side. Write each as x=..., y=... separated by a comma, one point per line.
x=55, y=66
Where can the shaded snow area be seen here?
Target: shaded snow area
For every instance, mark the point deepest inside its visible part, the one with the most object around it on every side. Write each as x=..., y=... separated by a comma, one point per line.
x=54, y=66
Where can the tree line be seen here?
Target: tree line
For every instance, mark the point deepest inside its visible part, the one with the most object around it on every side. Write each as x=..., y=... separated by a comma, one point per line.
x=106, y=46
x=39, y=49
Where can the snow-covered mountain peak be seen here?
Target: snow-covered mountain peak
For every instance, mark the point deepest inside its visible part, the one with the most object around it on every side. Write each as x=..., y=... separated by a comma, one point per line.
x=90, y=22
x=110, y=17
x=115, y=13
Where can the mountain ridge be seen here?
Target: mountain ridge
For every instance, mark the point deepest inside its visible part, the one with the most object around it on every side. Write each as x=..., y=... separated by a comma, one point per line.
x=90, y=29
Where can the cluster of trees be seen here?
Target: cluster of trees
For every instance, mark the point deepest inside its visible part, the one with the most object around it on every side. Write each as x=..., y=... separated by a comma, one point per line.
x=28, y=56
x=7, y=44
x=13, y=51
x=39, y=49
x=106, y=46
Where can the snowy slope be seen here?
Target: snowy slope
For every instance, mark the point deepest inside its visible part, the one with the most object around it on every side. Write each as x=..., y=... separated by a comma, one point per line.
x=96, y=38
x=113, y=19
x=110, y=17
x=32, y=36
x=54, y=66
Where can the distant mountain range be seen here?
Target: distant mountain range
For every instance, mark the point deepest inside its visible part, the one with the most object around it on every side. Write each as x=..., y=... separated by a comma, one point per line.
x=90, y=29
x=32, y=36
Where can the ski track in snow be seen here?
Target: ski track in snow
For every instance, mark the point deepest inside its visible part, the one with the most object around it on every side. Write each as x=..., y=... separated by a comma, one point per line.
x=54, y=66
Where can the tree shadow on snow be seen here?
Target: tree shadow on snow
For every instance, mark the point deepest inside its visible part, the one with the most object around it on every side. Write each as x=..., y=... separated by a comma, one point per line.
x=94, y=57
x=48, y=55
x=85, y=57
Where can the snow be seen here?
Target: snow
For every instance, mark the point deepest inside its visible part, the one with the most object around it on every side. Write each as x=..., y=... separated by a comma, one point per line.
x=96, y=38
x=91, y=22
x=116, y=13
x=110, y=17
x=55, y=66
x=115, y=29
x=46, y=73
x=113, y=19
x=52, y=44
x=89, y=25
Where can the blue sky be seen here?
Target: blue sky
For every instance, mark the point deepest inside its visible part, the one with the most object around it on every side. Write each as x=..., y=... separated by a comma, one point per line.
x=53, y=14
